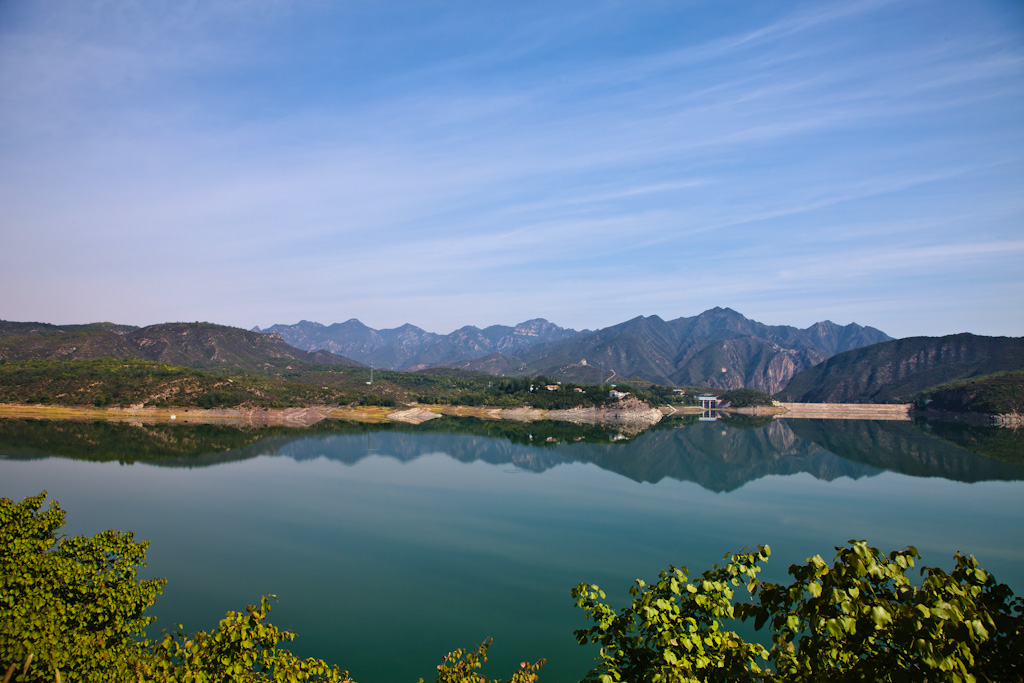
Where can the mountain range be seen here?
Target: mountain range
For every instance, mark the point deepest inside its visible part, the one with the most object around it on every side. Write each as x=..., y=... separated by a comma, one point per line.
x=409, y=346
x=718, y=348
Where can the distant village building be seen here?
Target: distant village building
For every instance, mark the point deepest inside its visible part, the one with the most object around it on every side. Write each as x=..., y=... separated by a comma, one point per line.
x=552, y=387
x=618, y=394
x=578, y=390
x=679, y=392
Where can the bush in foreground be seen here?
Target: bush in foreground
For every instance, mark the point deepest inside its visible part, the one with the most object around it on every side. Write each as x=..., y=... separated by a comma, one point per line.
x=73, y=609
x=860, y=619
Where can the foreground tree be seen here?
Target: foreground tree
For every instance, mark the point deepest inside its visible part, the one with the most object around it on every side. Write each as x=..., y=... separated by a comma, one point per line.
x=861, y=619
x=75, y=605
x=461, y=666
x=72, y=609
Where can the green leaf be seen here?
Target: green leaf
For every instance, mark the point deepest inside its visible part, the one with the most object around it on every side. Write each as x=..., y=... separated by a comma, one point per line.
x=880, y=616
x=834, y=629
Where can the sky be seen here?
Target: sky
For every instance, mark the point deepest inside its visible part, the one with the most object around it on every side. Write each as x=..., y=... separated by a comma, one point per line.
x=466, y=163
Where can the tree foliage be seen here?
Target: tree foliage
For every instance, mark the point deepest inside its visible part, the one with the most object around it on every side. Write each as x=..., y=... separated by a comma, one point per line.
x=461, y=666
x=996, y=394
x=863, y=619
x=73, y=609
x=745, y=398
x=243, y=649
x=860, y=619
x=104, y=382
x=75, y=604
x=673, y=630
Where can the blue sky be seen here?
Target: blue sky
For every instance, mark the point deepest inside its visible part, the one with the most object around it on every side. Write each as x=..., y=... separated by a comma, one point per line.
x=444, y=164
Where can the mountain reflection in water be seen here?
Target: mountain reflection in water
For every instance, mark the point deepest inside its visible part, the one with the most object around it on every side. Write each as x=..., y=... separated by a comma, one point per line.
x=720, y=456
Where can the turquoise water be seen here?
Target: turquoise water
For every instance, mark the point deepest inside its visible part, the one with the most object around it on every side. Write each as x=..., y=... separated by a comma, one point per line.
x=389, y=548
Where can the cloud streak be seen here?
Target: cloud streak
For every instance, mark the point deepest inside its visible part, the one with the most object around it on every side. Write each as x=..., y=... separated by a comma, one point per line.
x=496, y=159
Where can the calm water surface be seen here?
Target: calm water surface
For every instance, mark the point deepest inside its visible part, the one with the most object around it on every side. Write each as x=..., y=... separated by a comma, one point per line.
x=389, y=548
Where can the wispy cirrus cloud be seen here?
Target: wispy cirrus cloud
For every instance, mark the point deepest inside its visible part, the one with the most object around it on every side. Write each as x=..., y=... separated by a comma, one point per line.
x=514, y=155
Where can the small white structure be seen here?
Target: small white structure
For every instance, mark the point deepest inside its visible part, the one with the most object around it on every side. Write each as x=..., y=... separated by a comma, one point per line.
x=708, y=402
x=618, y=394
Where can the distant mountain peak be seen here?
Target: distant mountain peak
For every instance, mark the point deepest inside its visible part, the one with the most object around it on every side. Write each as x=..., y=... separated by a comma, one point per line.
x=719, y=312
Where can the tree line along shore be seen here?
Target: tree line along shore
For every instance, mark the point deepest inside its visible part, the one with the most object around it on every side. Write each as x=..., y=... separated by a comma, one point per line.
x=135, y=384
x=121, y=388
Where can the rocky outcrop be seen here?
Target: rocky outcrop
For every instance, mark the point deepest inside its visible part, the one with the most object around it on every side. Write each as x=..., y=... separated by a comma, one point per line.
x=1014, y=420
x=413, y=416
x=630, y=414
x=746, y=362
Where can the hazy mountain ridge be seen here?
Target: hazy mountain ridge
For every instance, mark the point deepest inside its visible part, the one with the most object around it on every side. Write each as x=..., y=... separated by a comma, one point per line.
x=408, y=346
x=684, y=351
x=898, y=370
x=196, y=345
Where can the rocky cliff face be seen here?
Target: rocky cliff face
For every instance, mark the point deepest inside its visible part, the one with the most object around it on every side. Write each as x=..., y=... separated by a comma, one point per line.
x=745, y=362
x=718, y=348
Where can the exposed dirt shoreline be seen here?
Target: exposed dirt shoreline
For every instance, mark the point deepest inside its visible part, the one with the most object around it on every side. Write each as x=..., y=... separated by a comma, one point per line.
x=630, y=414
x=847, y=411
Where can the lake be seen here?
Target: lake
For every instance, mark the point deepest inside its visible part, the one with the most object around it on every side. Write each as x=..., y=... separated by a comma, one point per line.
x=387, y=547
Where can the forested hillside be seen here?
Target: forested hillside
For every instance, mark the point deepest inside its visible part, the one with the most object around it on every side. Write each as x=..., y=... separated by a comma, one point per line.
x=194, y=345
x=897, y=371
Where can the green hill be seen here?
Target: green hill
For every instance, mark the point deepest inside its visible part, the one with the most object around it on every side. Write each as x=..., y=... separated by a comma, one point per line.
x=132, y=381
x=897, y=371
x=195, y=345
x=1001, y=393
